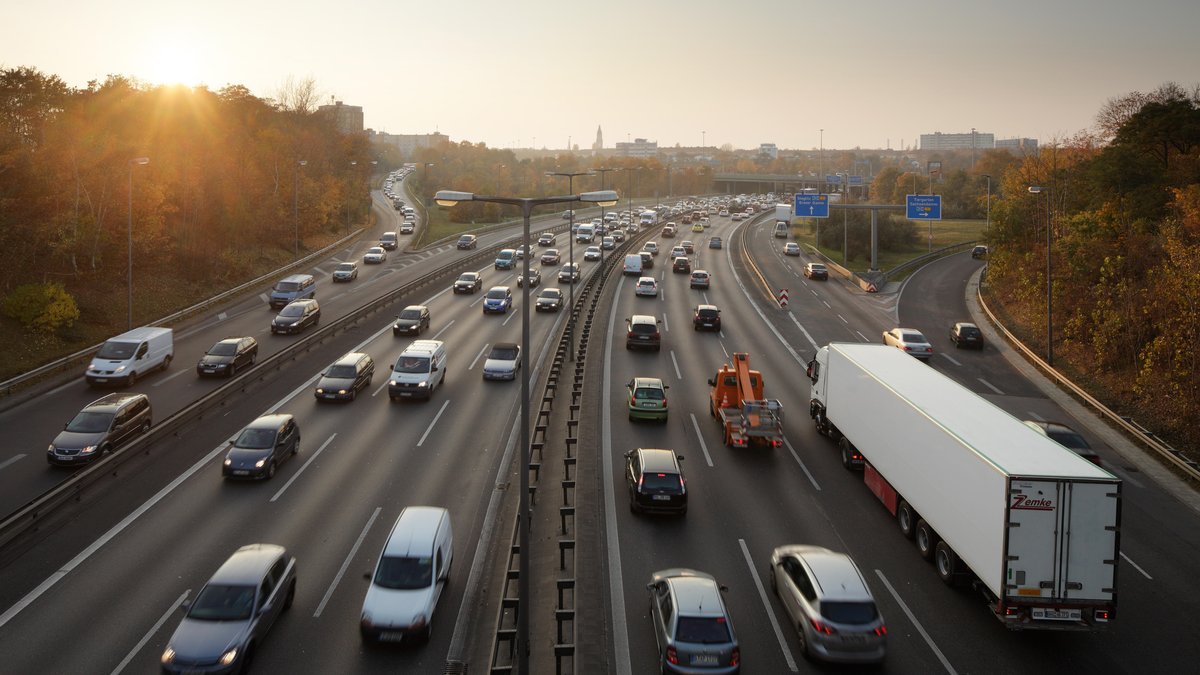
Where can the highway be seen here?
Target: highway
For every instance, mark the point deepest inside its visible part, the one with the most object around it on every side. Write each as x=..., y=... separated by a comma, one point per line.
x=109, y=582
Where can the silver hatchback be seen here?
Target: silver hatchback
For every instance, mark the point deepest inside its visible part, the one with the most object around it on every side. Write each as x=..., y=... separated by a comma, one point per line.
x=829, y=604
x=691, y=625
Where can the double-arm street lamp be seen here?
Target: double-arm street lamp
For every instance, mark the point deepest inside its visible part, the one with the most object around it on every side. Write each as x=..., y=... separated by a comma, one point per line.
x=570, y=176
x=527, y=204
x=138, y=161
x=1037, y=190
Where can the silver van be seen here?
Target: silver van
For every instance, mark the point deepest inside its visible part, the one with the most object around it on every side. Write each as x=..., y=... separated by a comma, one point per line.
x=293, y=287
x=409, y=577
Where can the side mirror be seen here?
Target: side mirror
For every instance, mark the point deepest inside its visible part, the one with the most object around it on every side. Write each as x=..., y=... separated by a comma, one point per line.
x=367, y=576
x=666, y=386
x=650, y=587
x=679, y=457
x=711, y=382
x=187, y=604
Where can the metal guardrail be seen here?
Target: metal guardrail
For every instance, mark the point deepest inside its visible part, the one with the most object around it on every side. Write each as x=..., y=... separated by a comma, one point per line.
x=928, y=257
x=10, y=386
x=1148, y=438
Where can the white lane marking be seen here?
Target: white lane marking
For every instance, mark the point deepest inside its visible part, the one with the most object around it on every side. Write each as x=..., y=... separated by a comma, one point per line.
x=510, y=316
x=477, y=357
x=843, y=319
x=814, y=292
x=1035, y=416
x=762, y=595
x=1136, y=566
x=705, y=296
x=221, y=316
x=12, y=460
x=723, y=346
x=334, y=297
x=678, y=375
x=666, y=326
x=170, y=377
x=949, y=358
x=827, y=305
x=302, y=468
x=917, y=624
x=989, y=386
x=433, y=423
x=796, y=321
x=337, y=578
x=616, y=584
x=478, y=300
x=864, y=337
x=153, y=629
x=662, y=295
x=443, y=330
x=380, y=387
x=703, y=445
x=796, y=456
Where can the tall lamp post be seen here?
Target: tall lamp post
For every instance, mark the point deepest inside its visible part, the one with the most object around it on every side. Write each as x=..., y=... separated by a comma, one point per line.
x=1037, y=190
x=141, y=161
x=602, y=171
x=987, y=225
x=570, y=176
x=296, y=202
x=426, y=179
x=353, y=164
x=527, y=204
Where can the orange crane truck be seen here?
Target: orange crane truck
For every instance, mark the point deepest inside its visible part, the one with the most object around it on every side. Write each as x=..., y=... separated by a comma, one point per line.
x=737, y=402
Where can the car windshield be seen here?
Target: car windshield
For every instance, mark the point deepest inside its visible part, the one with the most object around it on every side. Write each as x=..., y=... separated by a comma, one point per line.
x=404, y=573
x=292, y=310
x=1069, y=439
x=375, y=249
x=550, y=294
x=344, y=267
x=468, y=277
x=90, y=422
x=286, y=286
x=702, y=629
x=223, y=603
x=255, y=439
x=913, y=337
x=116, y=350
x=649, y=393
x=464, y=240
x=495, y=294
x=345, y=371
x=410, y=314
x=223, y=349
x=412, y=364
x=503, y=353
x=505, y=255
x=849, y=612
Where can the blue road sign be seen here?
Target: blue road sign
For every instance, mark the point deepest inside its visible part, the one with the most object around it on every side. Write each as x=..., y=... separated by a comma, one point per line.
x=856, y=180
x=923, y=207
x=833, y=178
x=811, y=206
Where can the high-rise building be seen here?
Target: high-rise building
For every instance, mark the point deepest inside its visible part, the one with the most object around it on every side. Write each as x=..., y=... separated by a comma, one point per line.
x=407, y=143
x=971, y=140
x=1018, y=146
x=769, y=149
x=640, y=147
x=348, y=118
x=599, y=144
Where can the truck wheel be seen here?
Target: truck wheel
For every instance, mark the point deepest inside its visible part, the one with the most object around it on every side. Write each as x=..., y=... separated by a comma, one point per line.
x=946, y=562
x=819, y=420
x=906, y=518
x=847, y=454
x=926, y=539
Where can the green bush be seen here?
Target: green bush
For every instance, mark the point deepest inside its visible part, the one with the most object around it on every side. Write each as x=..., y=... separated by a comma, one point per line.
x=42, y=307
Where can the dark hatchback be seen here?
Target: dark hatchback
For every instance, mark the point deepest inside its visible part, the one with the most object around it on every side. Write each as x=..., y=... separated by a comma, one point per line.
x=261, y=446
x=411, y=320
x=655, y=480
x=964, y=334
x=342, y=380
x=706, y=317
x=228, y=356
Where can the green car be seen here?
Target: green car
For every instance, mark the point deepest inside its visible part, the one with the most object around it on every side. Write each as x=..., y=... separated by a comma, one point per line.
x=647, y=399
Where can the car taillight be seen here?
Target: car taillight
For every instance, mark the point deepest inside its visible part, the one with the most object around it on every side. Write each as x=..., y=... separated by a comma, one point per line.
x=664, y=401
x=630, y=334
x=672, y=656
x=1103, y=615
x=822, y=627
x=735, y=657
x=882, y=630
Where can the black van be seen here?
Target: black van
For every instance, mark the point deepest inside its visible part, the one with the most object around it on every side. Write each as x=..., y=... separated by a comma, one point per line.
x=102, y=426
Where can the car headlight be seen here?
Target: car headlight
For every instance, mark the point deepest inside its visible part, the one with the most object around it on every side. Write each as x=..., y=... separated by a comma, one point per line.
x=423, y=384
x=50, y=448
x=168, y=655
x=119, y=369
x=260, y=463
x=229, y=656
x=419, y=620
x=87, y=450
x=393, y=383
x=320, y=390
x=365, y=621
x=342, y=392
x=228, y=461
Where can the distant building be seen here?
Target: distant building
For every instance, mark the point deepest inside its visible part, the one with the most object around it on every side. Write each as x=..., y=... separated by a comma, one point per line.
x=640, y=147
x=967, y=141
x=769, y=149
x=1018, y=146
x=408, y=143
x=348, y=118
x=599, y=144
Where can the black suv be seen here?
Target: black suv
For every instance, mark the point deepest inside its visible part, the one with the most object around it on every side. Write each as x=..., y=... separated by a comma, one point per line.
x=706, y=317
x=412, y=319
x=964, y=334
x=264, y=443
x=345, y=377
x=655, y=480
x=643, y=332
x=98, y=429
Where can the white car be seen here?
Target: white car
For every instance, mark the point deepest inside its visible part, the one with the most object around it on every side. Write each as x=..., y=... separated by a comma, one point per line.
x=502, y=362
x=646, y=287
x=909, y=340
x=375, y=255
x=678, y=252
x=791, y=248
x=592, y=253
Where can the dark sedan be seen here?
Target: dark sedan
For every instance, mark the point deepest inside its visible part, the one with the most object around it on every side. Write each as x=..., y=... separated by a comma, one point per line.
x=296, y=316
x=411, y=320
x=228, y=356
x=261, y=446
x=964, y=334
x=549, y=300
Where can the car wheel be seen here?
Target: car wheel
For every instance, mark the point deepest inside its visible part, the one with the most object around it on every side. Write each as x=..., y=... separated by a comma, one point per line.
x=353, y=394
x=167, y=361
x=946, y=562
x=925, y=539
x=906, y=518
x=131, y=379
x=271, y=470
x=248, y=659
x=232, y=370
x=291, y=597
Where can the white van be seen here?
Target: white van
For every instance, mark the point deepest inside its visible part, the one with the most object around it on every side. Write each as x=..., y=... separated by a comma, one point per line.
x=130, y=355
x=649, y=218
x=409, y=578
x=420, y=368
x=585, y=234
x=633, y=265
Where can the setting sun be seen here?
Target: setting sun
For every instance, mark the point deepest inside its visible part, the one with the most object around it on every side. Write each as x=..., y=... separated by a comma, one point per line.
x=174, y=60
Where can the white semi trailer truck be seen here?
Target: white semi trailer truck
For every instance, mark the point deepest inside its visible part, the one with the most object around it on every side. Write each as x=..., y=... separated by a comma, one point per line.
x=989, y=500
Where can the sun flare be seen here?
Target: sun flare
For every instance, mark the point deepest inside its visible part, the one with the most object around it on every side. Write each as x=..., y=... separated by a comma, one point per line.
x=174, y=61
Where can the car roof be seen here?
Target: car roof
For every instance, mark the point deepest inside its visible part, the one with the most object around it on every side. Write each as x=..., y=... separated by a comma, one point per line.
x=350, y=359
x=114, y=400
x=642, y=280
x=966, y=324
x=230, y=340
x=505, y=345
x=423, y=346
x=835, y=574
x=696, y=593
x=642, y=318
x=416, y=526
x=248, y=565
x=698, y=272
x=296, y=278
x=498, y=288
x=303, y=301
x=272, y=421
x=647, y=382
x=416, y=307
x=470, y=274
x=659, y=460
x=702, y=308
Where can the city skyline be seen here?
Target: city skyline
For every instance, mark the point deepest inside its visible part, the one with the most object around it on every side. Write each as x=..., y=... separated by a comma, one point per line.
x=696, y=73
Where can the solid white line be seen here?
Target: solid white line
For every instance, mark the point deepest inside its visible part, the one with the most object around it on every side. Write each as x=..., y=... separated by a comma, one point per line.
x=337, y=578
x=616, y=584
x=811, y=341
x=864, y=337
x=263, y=297
x=666, y=326
x=678, y=375
x=380, y=387
x=13, y=460
x=723, y=346
x=154, y=629
x=477, y=357
x=1136, y=566
x=801, y=463
x=433, y=423
x=843, y=319
x=989, y=386
x=762, y=595
x=221, y=316
x=951, y=359
x=827, y=305
x=443, y=330
x=700, y=437
x=482, y=295
x=302, y=468
x=510, y=316
x=917, y=624
x=172, y=376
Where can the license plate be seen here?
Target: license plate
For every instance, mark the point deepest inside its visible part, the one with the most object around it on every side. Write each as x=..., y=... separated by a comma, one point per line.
x=241, y=472
x=707, y=325
x=661, y=498
x=210, y=370
x=704, y=659
x=1057, y=614
x=643, y=337
x=647, y=404
x=406, y=393
x=391, y=636
x=329, y=395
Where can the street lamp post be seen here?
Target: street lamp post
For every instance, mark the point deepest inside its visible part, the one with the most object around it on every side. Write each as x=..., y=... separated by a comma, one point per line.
x=527, y=204
x=348, y=189
x=987, y=225
x=570, y=176
x=426, y=179
x=1037, y=190
x=142, y=161
x=296, y=202
x=602, y=171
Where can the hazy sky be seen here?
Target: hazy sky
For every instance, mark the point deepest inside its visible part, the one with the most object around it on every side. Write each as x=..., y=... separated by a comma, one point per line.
x=871, y=73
